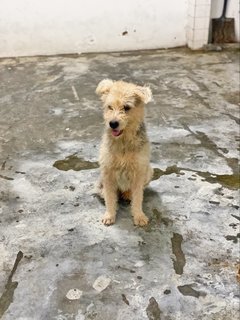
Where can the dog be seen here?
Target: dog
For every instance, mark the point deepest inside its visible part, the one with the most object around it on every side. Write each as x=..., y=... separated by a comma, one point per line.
x=125, y=149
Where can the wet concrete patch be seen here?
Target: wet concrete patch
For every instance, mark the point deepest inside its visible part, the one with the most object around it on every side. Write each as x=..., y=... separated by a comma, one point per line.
x=157, y=218
x=59, y=297
x=187, y=290
x=180, y=260
x=207, y=143
x=74, y=248
x=75, y=163
x=153, y=311
x=7, y=297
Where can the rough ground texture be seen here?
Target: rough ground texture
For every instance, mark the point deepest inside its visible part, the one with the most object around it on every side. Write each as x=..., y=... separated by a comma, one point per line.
x=184, y=265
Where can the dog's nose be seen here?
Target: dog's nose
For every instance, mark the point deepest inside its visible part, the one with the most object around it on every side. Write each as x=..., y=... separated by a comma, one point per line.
x=114, y=124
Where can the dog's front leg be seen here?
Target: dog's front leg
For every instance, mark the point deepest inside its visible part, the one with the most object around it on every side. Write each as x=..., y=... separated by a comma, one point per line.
x=110, y=197
x=137, y=198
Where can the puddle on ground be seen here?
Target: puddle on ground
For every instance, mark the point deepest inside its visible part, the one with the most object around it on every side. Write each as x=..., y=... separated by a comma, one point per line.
x=187, y=290
x=180, y=260
x=153, y=311
x=74, y=163
x=230, y=181
x=7, y=297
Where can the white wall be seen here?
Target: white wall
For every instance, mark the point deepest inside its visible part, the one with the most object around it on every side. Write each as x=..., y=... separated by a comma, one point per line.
x=198, y=23
x=232, y=12
x=44, y=27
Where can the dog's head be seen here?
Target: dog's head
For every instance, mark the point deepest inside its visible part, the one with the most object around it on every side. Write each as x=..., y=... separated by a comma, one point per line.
x=123, y=105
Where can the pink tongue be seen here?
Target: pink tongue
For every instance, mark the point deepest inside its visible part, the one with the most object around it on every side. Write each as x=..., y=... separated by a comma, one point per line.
x=116, y=132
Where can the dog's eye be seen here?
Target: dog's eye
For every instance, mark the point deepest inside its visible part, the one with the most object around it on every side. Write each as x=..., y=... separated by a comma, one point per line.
x=110, y=108
x=126, y=108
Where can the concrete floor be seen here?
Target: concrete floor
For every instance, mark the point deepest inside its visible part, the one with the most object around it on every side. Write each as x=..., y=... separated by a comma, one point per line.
x=184, y=265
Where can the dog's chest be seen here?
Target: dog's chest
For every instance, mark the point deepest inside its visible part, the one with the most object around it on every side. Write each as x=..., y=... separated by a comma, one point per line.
x=124, y=166
x=123, y=179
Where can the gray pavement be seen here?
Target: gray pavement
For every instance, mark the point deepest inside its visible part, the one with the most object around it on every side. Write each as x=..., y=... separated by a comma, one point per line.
x=57, y=260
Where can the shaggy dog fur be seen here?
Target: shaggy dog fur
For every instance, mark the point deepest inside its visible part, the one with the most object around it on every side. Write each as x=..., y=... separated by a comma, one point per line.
x=125, y=149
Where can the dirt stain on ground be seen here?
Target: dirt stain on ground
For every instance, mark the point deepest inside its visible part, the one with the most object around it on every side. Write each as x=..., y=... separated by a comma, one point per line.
x=187, y=290
x=5, y=177
x=234, y=239
x=180, y=260
x=74, y=163
x=232, y=97
x=124, y=299
x=7, y=297
x=153, y=311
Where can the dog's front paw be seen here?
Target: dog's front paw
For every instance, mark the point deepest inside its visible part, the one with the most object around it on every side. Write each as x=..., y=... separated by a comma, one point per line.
x=108, y=219
x=140, y=220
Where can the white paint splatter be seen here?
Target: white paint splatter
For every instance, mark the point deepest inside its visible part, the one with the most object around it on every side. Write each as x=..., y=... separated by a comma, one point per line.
x=101, y=283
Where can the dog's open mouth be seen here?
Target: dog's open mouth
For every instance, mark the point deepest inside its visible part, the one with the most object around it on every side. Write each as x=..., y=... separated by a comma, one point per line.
x=116, y=133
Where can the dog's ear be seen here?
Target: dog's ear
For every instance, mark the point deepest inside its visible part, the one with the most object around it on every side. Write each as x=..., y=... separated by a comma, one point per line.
x=104, y=87
x=144, y=94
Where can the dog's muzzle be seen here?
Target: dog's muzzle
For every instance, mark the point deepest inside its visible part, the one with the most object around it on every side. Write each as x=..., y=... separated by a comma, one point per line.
x=114, y=124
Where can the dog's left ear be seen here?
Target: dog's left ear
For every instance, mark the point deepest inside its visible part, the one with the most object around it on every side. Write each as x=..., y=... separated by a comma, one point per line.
x=144, y=94
x=104, y=87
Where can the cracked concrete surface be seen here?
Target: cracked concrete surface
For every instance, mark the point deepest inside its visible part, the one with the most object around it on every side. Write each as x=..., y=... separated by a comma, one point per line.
x=185, y=264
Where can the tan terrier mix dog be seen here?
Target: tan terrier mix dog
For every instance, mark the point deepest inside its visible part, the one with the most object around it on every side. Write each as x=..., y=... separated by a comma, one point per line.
x=125, y=149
